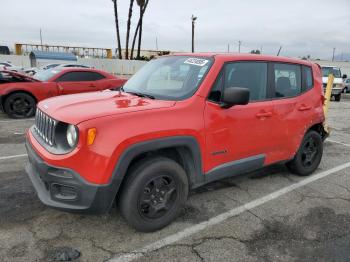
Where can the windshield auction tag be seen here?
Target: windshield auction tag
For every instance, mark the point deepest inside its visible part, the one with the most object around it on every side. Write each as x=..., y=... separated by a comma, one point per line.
x=196, y=61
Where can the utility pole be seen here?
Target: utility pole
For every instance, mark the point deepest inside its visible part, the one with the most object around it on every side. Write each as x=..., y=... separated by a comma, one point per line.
x=239, y=46
x=333, y=54
x=261, y=49
x=228, y=48
x=157, y=43
x=193, y=19
x=41, y=40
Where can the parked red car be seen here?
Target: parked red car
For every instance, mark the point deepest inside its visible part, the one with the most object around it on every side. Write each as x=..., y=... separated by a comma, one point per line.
x=19, y=93
x=179, y=123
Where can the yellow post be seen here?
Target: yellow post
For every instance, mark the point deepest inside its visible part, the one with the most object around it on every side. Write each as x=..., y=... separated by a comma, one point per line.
x=328, y=95
x=18, y=48
x=109, y=53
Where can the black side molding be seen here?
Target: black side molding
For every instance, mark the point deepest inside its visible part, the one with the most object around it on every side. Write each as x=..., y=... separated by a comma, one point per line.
x=235, y=168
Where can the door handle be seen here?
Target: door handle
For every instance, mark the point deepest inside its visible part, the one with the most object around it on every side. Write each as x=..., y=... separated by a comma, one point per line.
x=92, y=85
x=304, y=108
x=263, y=114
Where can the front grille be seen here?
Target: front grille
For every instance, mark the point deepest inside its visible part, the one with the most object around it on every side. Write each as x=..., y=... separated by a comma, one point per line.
x=45, y=127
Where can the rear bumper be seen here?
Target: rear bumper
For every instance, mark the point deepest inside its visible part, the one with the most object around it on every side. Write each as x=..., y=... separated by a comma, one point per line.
x=64, y=189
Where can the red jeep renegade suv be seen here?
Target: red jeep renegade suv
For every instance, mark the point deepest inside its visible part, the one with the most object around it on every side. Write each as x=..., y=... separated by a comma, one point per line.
x=182, y=121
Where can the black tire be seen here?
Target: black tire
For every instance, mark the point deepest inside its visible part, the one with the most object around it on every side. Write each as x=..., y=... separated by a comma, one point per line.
x=309, y=155
x=20, y=105
x=337, y=98
x=153, y=194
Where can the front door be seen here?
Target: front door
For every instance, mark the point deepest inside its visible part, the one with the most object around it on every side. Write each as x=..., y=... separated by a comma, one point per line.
x=241, y=135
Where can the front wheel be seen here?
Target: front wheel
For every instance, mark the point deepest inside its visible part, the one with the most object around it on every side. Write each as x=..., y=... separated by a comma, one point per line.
x=309, y=155
x=337, y=98
x=20, y=105
x=153, y=194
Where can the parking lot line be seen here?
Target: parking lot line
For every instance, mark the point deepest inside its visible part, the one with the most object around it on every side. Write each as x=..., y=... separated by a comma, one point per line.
x=336, y=142
x=187, y=232
x=10, y=157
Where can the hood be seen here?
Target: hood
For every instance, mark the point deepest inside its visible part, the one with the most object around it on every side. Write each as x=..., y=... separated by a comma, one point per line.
x=75, y=109
x=19, y=75
x=336, y=80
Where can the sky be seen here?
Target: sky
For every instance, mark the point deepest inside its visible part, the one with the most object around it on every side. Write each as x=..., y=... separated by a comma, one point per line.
x=301, y=27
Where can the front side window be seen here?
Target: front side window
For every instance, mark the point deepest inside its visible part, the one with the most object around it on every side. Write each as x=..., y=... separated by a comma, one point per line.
x=45, y=75
x=251, y=75
x=80, y=77
x=287, y=80
x=170, y=78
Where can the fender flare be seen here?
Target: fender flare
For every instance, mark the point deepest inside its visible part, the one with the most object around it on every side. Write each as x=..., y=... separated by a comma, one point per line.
x=195, y=178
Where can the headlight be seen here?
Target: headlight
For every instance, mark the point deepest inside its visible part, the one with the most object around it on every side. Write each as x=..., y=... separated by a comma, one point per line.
x=72, y=135
x=338, y=85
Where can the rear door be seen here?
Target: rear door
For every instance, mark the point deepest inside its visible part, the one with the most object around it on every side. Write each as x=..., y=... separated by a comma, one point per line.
x=79, y=82
x=294, y=102
x=240, y=132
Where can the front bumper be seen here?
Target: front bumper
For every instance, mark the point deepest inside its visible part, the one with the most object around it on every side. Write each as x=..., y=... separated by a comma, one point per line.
x=64, y=189
x=335, y=91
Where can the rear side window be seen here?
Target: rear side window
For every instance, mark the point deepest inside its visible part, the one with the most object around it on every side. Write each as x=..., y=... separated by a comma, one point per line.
x=287, y=80
x=308, y=81
x=80, y=77
x=251, y=75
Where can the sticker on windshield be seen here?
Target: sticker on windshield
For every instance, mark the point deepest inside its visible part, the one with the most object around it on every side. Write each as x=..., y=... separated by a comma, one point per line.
x=196, y=61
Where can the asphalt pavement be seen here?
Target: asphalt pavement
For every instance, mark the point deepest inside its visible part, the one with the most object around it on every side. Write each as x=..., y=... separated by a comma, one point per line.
x=268, y=215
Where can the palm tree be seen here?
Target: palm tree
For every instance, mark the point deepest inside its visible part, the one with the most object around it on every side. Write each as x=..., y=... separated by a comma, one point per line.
x=143, y=5
x=128, y=29
x=117, y=28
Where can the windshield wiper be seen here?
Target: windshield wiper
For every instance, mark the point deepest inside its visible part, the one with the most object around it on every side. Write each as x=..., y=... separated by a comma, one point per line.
x=141, y=95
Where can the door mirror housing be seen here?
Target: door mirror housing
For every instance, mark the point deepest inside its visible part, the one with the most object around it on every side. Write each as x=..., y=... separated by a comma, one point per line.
x=235, y=96
x=345, y=76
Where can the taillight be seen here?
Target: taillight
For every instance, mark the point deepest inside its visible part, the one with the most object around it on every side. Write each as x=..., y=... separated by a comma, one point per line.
x=323, y=99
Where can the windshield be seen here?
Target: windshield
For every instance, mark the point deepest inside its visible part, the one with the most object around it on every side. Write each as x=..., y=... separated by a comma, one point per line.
x=326, y=71
x=45, y=75
x=169, y=78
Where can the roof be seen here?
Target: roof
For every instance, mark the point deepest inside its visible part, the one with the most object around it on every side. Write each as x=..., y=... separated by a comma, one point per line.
x=52, y=55
x=246, y=56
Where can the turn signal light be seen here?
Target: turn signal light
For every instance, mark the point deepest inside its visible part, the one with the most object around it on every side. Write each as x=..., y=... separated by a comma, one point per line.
x=91, y=135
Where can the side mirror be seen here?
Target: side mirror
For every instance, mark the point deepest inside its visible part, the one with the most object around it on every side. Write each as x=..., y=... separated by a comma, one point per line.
x=235, y=96
x=345, y=76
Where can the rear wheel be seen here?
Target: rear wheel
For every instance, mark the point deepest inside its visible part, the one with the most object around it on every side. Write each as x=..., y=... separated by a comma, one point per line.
x=154, y=192
x=20, y=105
x=309, y=155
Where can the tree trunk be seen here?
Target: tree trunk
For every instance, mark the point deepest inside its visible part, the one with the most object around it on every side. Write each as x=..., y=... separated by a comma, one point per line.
x=140, y=35
x=128, y=30
x=138, y=28
x=117, y=28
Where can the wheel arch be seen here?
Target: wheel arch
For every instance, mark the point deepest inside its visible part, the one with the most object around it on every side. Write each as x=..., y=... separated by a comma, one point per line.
x=184, y=150
x=319, y=128
x=4, y=97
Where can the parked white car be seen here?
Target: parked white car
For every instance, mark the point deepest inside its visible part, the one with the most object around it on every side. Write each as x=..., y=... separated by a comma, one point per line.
x=338, y=84
x=347, y=85
x=34, y=70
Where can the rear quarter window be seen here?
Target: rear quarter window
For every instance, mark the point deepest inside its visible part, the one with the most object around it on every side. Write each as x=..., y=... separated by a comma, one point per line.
x=308, y=80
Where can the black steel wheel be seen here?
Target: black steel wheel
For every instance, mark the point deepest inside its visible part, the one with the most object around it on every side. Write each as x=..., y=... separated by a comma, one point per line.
x=153, y=194
x=309, y=155
x=20, y=105
x=158, y=197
